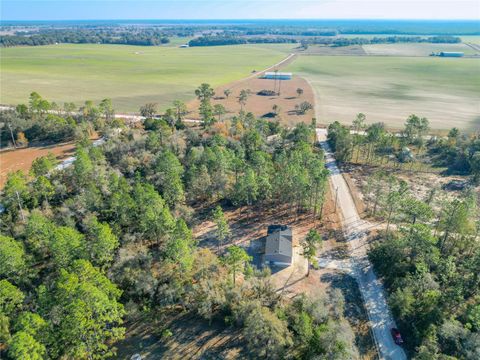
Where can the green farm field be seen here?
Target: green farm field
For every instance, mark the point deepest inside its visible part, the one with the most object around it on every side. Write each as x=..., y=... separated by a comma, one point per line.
x=389, y=89
x=415, y=49
x=130, y=75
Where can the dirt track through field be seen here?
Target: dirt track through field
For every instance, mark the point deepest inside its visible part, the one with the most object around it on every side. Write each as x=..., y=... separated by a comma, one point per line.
x=262, y=106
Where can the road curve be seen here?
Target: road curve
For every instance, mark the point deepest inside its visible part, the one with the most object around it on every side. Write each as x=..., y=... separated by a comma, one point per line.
x=370, y=286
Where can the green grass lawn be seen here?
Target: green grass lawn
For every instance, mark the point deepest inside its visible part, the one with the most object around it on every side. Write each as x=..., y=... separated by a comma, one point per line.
x=389, y=89
x=129, y=75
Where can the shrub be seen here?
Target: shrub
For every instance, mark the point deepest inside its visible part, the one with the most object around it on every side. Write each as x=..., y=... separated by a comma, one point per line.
x=266, y=93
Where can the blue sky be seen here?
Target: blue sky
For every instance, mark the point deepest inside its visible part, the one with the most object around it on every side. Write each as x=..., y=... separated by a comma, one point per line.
x=238, y=9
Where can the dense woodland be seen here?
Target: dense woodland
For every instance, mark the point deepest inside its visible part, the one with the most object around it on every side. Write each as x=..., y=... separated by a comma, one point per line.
x=231, y=39
x=429, y=251
x=48, y=122
x=86, y=249
x=344, y=41
x=429, y=258
x=123, y=36
x=218, y=40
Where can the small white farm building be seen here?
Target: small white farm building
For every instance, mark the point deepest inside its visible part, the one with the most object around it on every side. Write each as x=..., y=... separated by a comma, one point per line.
x=277, y=75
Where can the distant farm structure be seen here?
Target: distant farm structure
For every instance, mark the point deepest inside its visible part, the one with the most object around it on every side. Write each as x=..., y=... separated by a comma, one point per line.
x=451, y=54
x=277, y=75
x=455, y=54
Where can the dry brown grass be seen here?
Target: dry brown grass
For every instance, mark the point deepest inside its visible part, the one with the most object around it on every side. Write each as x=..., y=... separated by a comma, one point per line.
x=261, y=105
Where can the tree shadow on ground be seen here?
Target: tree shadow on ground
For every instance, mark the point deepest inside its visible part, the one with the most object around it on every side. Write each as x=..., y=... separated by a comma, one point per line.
x=191, y=338
x=355, y=311
x=340, y=253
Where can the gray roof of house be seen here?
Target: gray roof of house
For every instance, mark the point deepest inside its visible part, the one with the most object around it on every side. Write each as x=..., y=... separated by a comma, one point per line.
x=279, y=241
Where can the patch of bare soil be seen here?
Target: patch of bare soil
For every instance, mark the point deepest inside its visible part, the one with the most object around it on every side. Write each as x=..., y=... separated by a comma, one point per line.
x=22, y=159
x=262, y=106
x=419, y=183
x=356, y=194
x=190, y=338
x=247, y=224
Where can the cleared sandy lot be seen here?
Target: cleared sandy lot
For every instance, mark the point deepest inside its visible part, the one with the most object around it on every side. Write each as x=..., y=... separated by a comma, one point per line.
x=261, y=105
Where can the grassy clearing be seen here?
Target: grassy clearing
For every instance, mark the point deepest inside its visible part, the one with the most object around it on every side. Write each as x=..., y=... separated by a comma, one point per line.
x=474, y=39
x=129, y=75
x=389, y=89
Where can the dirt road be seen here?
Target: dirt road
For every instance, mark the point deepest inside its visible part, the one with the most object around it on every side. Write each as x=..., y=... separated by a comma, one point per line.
x=358, y=264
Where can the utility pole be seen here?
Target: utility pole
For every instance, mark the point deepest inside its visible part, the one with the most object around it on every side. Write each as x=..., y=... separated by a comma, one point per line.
x=20, y=206
x=275, y=81
x=336, y=198
x=13, y=139
x=323, y=203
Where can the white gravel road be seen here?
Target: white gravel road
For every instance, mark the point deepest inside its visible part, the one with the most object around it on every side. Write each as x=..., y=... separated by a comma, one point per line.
x=358, y=265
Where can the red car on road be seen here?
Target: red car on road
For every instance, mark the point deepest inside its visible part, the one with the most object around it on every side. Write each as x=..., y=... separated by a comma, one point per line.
x=397, y=337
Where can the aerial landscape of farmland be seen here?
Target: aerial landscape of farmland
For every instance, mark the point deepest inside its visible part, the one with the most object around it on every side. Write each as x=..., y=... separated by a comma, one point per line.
x=297, y=186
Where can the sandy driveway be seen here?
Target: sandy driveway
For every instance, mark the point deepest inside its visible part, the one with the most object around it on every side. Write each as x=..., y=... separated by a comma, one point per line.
x=359, y=265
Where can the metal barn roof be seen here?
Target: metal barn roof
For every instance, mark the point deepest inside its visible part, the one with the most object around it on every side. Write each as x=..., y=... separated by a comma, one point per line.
x=272, y=73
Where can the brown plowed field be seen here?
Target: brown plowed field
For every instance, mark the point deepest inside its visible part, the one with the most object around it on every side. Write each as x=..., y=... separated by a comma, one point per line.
x=22, y=159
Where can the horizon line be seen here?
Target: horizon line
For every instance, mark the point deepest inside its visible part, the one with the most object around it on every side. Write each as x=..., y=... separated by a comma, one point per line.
x=246, y=19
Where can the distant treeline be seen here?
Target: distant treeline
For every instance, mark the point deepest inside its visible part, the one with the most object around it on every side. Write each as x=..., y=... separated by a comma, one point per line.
x=342, y=41
x=144, y=37
x=298, y=32
x=218, y=40
x=230, y=40
x=340, y=27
